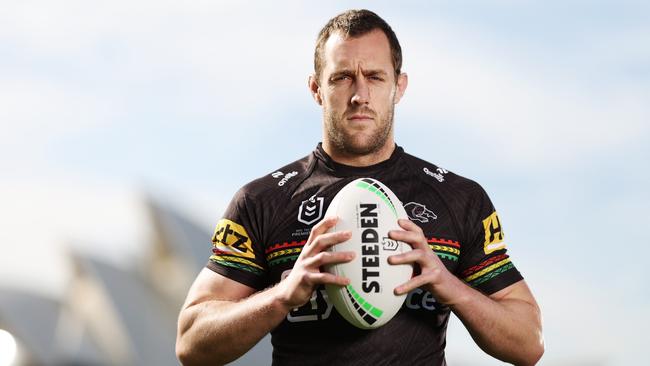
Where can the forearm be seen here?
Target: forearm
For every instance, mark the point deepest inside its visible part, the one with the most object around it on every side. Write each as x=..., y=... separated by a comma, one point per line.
x=217, y=332
x=508, y=329
x=222, y=318
x=506, y=324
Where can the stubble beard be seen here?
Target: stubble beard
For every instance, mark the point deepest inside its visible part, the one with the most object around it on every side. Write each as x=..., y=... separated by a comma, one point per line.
x=350, y=145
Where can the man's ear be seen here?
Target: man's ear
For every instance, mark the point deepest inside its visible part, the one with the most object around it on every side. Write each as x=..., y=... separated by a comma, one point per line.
x=402, y=83
x=314, y=88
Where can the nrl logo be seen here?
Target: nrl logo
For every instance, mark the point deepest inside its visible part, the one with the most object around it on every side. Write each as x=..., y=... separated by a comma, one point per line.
x=419, y=212
x=389, y=244
x=311, y=210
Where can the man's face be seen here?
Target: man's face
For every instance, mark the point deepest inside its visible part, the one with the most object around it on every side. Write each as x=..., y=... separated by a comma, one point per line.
x=358, y=91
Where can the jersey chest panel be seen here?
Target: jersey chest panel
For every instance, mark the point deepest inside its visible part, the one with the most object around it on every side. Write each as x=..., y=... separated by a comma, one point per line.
x=308, y=206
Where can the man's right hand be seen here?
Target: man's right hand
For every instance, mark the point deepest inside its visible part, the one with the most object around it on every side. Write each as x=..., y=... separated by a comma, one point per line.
x=222, y=318
x=307, y=274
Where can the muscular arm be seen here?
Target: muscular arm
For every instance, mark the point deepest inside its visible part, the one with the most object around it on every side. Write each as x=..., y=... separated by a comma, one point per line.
x=222, y=319
x=506, y=325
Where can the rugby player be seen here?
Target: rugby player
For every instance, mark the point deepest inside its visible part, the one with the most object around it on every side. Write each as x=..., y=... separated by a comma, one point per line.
x=264, y=275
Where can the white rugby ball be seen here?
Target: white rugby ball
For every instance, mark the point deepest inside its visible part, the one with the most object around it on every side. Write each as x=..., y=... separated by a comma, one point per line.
x=369, y=210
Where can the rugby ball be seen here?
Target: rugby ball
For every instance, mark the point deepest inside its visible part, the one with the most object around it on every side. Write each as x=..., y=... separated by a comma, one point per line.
x=369, y=210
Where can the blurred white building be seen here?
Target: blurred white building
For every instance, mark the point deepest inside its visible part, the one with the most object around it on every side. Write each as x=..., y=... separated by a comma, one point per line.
x=111, y=315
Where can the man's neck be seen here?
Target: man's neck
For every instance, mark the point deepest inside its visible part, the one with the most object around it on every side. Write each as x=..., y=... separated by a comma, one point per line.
x=383, y=154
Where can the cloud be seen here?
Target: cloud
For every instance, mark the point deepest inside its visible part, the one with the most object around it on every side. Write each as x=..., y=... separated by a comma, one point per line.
x=33, y=106
x=527, y=111
x=76, y=74
x=35, y=112
x=214, y=62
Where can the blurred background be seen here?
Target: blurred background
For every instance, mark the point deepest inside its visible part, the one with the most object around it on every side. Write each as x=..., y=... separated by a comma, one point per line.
x=126, y=127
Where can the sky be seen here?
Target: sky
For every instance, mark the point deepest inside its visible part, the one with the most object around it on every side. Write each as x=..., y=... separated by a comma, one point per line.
x=545, y=103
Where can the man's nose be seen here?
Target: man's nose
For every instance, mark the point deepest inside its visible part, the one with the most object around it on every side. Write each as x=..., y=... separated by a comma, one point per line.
x=361, y=93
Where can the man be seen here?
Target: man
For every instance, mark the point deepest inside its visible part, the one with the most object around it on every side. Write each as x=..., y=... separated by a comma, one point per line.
x=265, y=272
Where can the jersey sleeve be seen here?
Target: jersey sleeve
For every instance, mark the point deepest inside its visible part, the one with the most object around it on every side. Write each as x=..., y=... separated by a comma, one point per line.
x=484, y=262
x=237, y=252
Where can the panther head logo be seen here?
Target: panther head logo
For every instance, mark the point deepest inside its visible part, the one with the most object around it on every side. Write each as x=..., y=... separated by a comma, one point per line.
x=419, y=212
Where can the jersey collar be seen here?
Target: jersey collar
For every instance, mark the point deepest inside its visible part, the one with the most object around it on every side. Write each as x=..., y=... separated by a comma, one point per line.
x=343, y=170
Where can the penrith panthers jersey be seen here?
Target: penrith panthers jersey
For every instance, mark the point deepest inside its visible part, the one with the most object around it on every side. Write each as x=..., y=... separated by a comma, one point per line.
x=268, y=222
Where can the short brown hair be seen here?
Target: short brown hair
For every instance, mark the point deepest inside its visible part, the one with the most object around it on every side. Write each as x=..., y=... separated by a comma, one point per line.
x=355, y=23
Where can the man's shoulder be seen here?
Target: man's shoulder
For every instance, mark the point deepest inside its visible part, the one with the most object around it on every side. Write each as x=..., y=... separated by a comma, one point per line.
x=280, y=181
x=441, y=179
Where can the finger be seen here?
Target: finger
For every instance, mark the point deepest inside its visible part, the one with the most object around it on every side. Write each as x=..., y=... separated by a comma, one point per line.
x=409, y=225
x=322, y=227
x=318, y=229
x=414, y=239
x=325, y=241
x=325, y=278
x=325, y=258
x=412, y=256
x=412, y=284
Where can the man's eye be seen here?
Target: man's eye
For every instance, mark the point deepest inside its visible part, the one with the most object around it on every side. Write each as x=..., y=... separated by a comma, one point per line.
x=376, y=78
x=342, y=78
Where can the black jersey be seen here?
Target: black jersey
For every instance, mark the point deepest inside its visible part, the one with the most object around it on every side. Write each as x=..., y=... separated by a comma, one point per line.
x=268, y=221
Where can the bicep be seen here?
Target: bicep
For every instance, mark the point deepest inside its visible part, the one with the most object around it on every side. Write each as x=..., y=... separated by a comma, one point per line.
x=211, y=286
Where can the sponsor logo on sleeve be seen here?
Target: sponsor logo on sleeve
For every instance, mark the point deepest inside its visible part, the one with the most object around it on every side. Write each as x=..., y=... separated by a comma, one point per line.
x=311, y=210
x=419, y=212
x=438, y=174
x=493, y=234
x=285, y=177
x=232, y=238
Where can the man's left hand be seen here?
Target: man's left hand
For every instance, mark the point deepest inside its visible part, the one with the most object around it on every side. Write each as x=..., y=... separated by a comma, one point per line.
x=434, y=276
